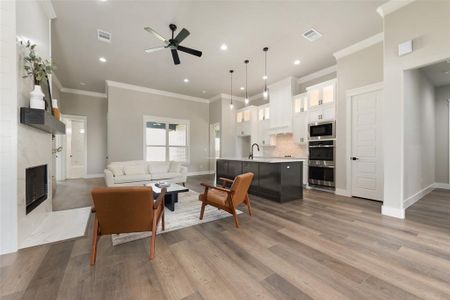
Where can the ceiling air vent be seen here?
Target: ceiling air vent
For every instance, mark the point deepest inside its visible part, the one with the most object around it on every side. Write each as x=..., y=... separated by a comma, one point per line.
x=312, y=35
x=103, y=36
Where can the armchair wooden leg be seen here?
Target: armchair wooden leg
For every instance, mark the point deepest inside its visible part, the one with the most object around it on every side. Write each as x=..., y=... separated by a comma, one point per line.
x=236, y=222
x=202, y=211
x=95, y=238
x=163, y=224
x=184, y=184
x=152, y=244
x=249, y=206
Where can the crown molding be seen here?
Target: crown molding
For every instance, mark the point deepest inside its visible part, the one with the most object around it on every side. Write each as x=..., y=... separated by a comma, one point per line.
x=154, y=91
x=83, y=92
x=317, y=74
x=391, y=6
x=47, y=6
x=375, y=39
x=228, y=97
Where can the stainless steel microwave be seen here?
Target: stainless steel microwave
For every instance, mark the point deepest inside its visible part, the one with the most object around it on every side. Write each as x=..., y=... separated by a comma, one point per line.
x=322, y=130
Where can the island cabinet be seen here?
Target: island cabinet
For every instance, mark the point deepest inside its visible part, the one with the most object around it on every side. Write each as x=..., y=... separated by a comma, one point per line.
x=275, y=180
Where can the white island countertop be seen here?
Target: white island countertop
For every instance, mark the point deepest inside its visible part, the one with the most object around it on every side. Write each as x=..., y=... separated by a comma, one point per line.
x=266, y=159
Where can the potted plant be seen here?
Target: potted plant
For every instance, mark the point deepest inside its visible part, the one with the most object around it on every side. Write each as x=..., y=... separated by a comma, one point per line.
x=37, y=68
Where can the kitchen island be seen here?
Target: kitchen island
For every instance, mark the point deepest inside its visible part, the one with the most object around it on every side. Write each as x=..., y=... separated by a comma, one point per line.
x=277, y=179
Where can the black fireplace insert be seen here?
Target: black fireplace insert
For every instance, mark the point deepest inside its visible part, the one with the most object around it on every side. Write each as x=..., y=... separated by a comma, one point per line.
x=36, y=187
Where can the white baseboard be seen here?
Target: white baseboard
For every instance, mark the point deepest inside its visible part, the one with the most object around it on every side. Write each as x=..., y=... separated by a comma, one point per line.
x=342, y=192
x=441, y=185
x=417, y=196
x=393, y=212
x=200, y=173
x=99, y=175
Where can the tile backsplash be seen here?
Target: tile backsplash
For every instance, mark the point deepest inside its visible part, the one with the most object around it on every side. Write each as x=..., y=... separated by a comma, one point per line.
x=285, y=146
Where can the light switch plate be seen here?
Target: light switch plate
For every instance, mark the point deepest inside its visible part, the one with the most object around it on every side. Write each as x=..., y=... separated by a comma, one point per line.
x=405, y=48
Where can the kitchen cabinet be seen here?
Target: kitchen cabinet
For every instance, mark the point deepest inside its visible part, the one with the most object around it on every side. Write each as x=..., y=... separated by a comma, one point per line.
x=322, y=113
x=264, y=138
x=280, y=103
x=300, y=119
x=246, y=121
x=321, y=94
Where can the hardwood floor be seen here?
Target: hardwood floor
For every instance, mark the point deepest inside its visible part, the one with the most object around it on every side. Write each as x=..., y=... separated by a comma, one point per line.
x=324, y=247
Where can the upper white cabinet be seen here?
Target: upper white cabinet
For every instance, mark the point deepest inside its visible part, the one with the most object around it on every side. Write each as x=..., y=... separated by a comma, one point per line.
x=264, y=138
x=321, y=100
x=300, y=119
x=322, y=93
x=246, y=121
x=280, y=104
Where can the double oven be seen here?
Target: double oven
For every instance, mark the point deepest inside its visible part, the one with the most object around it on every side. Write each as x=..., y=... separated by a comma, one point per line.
x=322, y=154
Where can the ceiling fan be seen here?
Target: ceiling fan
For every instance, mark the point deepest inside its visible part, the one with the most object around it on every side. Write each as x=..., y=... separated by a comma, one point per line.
x=174, y=43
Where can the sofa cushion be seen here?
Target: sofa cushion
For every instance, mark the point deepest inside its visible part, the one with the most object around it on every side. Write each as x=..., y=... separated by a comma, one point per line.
x=132, y=178
x=168, y=175
x=134, y=170
x=175, y=167
x=116, y=170
x=158, y=166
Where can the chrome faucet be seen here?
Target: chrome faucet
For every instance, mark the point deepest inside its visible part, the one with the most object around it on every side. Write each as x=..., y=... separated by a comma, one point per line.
x=251, y=153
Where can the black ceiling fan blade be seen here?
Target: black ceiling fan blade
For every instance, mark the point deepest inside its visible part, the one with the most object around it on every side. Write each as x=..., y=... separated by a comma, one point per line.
x=190, y=51
x=184, y=33
x=157, y=35
x=176, y=59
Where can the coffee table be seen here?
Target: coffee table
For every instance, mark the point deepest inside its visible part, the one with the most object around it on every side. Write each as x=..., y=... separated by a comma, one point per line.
x=171, y=196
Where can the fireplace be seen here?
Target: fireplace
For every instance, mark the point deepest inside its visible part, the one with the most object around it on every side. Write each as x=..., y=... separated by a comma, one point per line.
x=36, y=182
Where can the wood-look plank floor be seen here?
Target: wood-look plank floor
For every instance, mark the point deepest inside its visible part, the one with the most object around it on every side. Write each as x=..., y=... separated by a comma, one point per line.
x=324, y=247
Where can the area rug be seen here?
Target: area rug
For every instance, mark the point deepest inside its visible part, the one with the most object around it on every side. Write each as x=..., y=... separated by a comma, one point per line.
x=187, y=212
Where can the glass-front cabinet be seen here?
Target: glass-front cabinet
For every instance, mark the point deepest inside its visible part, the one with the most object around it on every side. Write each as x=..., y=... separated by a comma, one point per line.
x=322, y=94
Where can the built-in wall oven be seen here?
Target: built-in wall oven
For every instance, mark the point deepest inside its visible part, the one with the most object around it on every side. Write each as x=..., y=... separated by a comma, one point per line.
x=322, y=130
x=321, y=163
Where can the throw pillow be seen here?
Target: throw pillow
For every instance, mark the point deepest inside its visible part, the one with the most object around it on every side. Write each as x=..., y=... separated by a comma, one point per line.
x=116, y=170
x=134, y=170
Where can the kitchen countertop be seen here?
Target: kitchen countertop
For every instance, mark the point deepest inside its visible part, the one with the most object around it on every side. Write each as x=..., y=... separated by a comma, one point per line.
x=266, y=159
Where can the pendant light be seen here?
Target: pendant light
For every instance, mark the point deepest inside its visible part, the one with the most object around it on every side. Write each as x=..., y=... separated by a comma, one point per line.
x=246, y=81
x=231, y=89
x=266, y=90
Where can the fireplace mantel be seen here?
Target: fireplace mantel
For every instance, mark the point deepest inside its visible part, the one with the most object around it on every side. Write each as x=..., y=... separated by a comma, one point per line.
x=41, y=119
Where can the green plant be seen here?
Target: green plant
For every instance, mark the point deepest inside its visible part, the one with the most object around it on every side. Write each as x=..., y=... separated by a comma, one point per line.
x=36, y=66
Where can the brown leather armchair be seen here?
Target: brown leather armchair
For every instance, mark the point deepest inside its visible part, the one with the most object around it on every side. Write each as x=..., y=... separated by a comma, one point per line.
x=228, y=199
x=124, y=210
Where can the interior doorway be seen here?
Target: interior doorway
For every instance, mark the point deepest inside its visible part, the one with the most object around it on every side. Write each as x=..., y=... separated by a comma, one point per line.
x=71, y=162
x=214, y=147
x=364, y=142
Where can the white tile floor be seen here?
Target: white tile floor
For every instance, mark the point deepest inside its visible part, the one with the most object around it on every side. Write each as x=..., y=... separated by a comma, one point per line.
x=58, y=226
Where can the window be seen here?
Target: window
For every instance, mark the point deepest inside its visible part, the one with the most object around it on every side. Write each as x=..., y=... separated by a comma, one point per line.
x=166, y=139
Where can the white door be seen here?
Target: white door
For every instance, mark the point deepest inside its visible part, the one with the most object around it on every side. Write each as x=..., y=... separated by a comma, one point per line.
x=214, y=138
x=366, y=151
x=76, y=139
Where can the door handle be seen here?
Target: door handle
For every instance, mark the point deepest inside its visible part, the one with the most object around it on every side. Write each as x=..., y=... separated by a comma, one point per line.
x=354, y=158
x=70, y=155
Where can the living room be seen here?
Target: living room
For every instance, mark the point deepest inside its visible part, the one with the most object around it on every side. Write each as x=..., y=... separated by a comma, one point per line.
x=202, y=150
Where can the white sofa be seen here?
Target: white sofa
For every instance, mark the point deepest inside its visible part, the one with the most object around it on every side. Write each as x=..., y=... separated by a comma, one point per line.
x=139, y=172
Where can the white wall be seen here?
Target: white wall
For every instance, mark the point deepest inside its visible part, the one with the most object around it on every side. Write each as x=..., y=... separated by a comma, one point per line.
x=126, y=109
x=427, y=24
x=353, y=71
x=95, y=110
x=442, y=95
x=8, y=128
x=419, y=124
x=34, y=147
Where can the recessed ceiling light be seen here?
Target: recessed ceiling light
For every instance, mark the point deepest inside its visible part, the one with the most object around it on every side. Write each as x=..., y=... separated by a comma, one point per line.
x=186, y=80
x=242, y=88
x=203, y=92
x=223, y=47
x=265, y=77
x=102, y=59
x=82, y=83
x=297, y=62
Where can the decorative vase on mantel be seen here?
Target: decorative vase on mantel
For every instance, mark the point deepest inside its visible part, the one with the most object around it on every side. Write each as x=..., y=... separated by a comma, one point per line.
x=37, y=97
